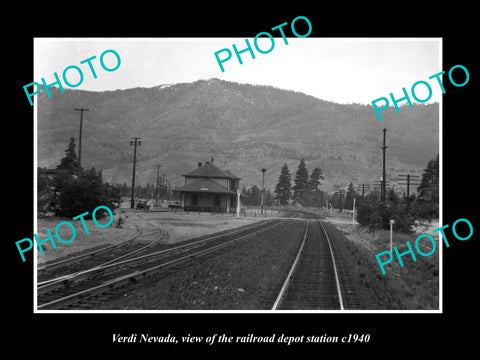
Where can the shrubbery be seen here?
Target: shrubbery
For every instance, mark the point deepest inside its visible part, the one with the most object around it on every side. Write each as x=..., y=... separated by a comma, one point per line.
x=85, y=193
x=374, y=214
x=70, y=191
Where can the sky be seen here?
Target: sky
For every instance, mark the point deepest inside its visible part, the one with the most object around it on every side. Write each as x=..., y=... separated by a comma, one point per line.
x=342, y=70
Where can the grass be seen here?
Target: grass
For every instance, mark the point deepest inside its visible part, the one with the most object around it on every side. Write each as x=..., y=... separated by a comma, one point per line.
x=415, y=286
x=179, y=226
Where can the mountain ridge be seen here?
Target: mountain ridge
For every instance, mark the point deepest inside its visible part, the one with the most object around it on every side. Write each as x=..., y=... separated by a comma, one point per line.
x=243, y=127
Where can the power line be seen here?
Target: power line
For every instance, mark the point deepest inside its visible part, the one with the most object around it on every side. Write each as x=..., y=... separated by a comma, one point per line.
x=163, y=187
x=80, y=139
x=379, y=185
x=363, y=187
x=411, y=179
x=263, y=189
x=340, y=193
x=158, y=175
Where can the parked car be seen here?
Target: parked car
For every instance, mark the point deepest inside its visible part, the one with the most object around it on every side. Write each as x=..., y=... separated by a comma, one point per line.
x=175, y=205
x=142, y=205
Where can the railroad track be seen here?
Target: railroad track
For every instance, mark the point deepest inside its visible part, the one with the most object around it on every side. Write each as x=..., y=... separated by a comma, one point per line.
x=80, y=261
x=85, y=288
x=134, y=245
x=315, y=281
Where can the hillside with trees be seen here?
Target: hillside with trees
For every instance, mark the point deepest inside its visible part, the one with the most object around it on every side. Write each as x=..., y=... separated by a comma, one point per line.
x=306, y=190
x=244, y=127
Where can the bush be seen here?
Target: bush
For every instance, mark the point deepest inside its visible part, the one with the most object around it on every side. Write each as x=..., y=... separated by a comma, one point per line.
x=82, y=194
x=376, y=215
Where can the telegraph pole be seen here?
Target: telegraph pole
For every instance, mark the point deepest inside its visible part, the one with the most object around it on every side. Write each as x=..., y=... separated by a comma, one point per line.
x=411, y=179
x=156, y=191
x=263, y=189
x=378, y=185
x=340, y=193
x=163, y=187
x=408, y=185
x=384, y=178
x=80, y=139
x=134, y=142
x=362, y=187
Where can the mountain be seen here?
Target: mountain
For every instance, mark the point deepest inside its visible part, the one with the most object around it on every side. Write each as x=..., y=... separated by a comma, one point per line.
x=243, y=127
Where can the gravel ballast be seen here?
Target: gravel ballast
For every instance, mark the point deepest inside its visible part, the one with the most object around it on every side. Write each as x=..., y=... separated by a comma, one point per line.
x=245, y=276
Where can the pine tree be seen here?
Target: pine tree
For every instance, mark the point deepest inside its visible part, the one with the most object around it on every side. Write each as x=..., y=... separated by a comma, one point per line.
x=45, y=192
x=428, y=191
x=244, y=191
x=349, y=197
x=252, y=196
x=70, y=161
x=125, y=189
x=268, y=198
x=315, y=178
x=83, y=194
x=78, y=193
x=301, y=187
x=316, y=196
x=255, y=195
x=428, y=188
x=113, y=193
x=283, y=189
x=67, y=168
x=392, y=197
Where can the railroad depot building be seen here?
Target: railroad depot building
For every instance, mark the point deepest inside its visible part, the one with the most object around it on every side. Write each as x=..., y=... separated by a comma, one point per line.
x=207, y=188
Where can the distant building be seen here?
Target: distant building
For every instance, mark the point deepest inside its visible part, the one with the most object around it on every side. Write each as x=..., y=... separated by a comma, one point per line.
x=53, y=172
x=207, y=188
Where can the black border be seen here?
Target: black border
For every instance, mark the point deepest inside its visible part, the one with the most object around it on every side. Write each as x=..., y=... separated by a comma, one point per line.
x=407, y=334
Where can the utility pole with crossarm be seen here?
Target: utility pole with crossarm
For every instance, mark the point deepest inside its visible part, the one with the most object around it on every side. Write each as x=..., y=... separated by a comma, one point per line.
x=134, y=142
x=384, y=177
x=80, y=139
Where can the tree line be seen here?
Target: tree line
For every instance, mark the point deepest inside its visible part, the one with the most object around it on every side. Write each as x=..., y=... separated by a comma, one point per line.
x=404, y=210
x=148, y=191
x=253, y=196
x=305, y=190
x=70, y=190
x=371, y=211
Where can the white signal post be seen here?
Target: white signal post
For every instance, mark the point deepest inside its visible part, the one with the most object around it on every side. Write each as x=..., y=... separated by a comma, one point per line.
x=391, y=235
x=353, y=212
x=238, y=203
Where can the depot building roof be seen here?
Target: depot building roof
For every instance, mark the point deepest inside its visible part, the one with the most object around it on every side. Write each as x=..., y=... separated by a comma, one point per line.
x=205, y=186
x=210, y=171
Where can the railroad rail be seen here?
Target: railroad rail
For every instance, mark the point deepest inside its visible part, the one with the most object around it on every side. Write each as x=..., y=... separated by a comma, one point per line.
x=313, y=281
x=45, y=269
x=82, y=289
x=98, y=260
